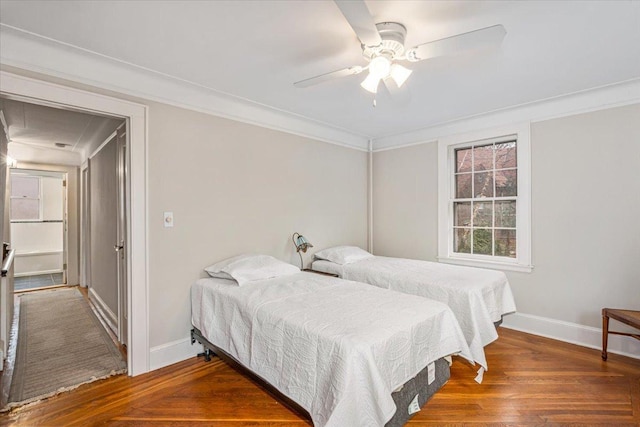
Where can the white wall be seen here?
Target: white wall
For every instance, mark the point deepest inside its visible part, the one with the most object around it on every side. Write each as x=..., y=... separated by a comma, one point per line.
x=586, y=205
x=405, y=202
x=36, y=237
x=585, y=208
x=236, y=188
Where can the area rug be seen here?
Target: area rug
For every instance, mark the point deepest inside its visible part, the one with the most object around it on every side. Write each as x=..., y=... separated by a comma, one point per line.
x=61, y=345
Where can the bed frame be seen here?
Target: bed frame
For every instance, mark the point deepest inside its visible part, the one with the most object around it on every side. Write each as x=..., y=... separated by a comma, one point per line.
x=419, y=385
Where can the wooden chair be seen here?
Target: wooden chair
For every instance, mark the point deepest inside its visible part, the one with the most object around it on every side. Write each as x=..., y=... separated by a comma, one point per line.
x=628, y=317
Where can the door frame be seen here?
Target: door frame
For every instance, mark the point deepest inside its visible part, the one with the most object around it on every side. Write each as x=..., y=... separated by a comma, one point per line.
x=121, y=194
x=136, y=115
x=85, y=234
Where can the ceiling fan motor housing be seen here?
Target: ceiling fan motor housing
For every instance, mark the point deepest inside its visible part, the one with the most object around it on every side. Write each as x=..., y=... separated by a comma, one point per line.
x=392, y=35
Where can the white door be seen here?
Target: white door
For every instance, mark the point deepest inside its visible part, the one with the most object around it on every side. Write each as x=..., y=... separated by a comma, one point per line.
x=121, y=244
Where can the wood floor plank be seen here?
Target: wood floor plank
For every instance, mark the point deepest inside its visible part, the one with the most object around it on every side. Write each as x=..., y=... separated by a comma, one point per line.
x=531, y=381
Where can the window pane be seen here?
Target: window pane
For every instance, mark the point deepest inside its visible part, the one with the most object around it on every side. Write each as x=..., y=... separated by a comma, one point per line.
x=506, y=243
x=25, y=186
x=462, y=240
x=483, y=184
x=482, y=241
x=506, y=183
x=463, y=160
x=462, y=214
x=506, y=213
x=483, y=158
x=506, y=155
x=483, y=214
x=463, y=186
x=25, y=209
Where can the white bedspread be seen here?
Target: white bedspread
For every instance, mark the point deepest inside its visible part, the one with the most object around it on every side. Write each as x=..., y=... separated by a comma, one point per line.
x=337, y=348
x=477, y=296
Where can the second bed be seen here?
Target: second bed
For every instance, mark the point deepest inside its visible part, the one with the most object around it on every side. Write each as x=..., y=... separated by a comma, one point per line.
x=478, y=297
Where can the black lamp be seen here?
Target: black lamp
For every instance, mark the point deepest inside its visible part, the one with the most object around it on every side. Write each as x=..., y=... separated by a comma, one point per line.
x=302, y=244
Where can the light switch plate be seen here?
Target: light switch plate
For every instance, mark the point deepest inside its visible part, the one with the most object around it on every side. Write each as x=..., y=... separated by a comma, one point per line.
x=168, y=219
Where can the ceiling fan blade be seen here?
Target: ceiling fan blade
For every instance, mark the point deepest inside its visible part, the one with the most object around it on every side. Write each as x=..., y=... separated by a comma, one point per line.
x=360, y=19
x=356, y=69
x=485, y=37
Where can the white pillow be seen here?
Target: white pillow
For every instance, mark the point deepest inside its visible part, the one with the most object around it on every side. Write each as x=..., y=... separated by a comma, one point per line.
x=343, y=254
x=248, y=268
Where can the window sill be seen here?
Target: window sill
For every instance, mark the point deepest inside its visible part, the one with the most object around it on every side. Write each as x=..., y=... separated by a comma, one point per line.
x=487, y=264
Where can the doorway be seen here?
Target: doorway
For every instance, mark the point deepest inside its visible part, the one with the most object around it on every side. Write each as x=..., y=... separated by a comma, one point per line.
x=38, y=222
x=41, y=137
x=136, y=269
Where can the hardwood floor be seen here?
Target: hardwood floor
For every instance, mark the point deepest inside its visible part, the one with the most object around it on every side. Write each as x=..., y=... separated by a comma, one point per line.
x=531, y=381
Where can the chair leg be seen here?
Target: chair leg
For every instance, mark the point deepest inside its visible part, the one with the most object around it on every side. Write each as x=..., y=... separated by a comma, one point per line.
x=605, y=334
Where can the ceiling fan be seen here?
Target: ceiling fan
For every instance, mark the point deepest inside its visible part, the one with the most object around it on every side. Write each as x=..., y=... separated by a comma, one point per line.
x=383, y=48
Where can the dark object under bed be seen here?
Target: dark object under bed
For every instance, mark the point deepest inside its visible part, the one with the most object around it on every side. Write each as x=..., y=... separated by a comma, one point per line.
x=418, y=386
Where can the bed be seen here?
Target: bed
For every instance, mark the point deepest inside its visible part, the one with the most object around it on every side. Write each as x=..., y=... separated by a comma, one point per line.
x=478, y=297
x=342, y=351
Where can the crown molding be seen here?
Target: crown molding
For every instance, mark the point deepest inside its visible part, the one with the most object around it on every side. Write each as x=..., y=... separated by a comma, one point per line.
x=609, y=96
x=32, y=52
x=39, y=54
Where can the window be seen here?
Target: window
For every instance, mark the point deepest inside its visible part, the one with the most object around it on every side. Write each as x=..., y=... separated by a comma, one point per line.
x=484, y=208
x=25, y=198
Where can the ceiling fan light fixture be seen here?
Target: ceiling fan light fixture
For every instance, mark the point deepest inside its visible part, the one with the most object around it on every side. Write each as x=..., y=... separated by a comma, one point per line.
x=383, y=44
x=371, y=83
x=399, y=74
x=380, y=66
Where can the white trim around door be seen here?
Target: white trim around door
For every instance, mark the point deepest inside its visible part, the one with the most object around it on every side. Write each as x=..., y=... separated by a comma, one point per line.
x=137, y=271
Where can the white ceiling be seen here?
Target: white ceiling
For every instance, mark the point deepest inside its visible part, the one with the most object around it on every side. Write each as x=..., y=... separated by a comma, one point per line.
x=43, y=126
x=255, y=50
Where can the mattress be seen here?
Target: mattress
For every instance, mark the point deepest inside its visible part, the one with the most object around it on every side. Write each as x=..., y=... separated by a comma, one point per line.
x=336, y=348
x=478, y=297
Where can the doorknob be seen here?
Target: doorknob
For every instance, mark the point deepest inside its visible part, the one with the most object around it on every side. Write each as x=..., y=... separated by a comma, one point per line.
x=119, y=247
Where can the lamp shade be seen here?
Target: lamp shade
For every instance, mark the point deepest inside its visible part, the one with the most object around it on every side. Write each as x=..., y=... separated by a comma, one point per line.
x=302, y=244
x=400, y=74
x=380, y=66
x=371, y=83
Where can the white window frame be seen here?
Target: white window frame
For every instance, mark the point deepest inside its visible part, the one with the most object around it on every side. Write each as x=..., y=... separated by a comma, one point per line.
x=446, y=186
x=40, y=204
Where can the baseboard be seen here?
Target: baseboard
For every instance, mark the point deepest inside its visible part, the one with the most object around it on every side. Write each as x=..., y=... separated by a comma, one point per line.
x=172, y=352
x=105, y=312
x=573, y=333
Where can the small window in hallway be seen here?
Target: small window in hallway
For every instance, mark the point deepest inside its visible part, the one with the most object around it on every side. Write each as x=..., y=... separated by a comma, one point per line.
x=25, y=198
